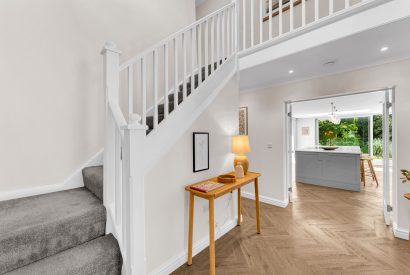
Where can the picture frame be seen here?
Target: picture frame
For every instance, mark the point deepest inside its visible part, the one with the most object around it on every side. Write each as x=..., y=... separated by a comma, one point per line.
x=200, y=142
x=243, y=120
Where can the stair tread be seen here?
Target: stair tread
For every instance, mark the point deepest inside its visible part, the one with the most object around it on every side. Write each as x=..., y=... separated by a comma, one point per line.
x=99, y=256
x=36, y=227
x=93, y=180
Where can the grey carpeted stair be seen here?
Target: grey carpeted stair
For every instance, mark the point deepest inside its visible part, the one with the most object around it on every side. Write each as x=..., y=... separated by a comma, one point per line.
x=171, y=103
x=59, y=233
x=99, y=256
x=93, y=180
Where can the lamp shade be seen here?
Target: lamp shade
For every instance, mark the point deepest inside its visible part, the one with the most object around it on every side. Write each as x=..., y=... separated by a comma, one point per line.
x=240, y=144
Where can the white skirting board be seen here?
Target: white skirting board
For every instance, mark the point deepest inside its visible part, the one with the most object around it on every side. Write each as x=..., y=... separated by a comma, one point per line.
x=175, y=262
x=400, y=232
x=75, y=180
x=265, y=199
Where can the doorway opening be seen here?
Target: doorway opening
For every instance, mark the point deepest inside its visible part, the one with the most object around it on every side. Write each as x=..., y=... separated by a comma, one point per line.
x=343, y=142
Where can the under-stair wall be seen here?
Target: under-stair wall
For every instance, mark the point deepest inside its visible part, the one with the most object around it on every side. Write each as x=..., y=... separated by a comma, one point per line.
x=166, y=200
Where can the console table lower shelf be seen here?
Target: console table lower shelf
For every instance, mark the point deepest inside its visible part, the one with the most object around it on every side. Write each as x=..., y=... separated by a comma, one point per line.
x=211, y=196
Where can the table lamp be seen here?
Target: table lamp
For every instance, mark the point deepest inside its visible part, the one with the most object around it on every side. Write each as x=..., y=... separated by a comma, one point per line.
x=240, y=146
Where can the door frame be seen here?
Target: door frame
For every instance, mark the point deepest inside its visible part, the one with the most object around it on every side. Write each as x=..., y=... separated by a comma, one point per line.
x=287, y=154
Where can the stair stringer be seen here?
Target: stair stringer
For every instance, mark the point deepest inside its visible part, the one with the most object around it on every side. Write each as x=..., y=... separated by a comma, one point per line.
x=169, y=131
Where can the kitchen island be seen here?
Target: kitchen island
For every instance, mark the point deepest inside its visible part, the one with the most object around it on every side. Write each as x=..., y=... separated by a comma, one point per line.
x=339, y=168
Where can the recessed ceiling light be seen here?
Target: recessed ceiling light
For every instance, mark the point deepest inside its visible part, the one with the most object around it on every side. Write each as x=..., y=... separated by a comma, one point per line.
x=383, y=49
x=290, y=72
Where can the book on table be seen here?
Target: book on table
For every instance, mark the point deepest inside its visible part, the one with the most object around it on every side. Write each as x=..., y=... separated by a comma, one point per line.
x=206, y=186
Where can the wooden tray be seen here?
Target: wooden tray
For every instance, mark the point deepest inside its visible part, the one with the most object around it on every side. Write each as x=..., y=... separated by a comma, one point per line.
x=226, y=179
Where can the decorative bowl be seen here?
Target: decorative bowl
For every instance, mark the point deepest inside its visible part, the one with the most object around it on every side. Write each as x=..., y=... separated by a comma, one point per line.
x=226, y=179
x=329, y=148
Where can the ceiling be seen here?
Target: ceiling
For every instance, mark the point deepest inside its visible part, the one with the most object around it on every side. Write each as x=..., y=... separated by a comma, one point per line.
x=352, y=52
x=348, y=106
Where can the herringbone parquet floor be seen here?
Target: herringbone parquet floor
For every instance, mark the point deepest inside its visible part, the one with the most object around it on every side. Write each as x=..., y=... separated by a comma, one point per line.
x=325, y=231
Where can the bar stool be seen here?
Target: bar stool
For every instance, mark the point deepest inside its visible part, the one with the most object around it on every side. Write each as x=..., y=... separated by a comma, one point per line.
x=369, y=171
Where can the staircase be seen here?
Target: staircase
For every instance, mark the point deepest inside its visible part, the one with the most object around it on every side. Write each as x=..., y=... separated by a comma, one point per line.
x=59, y=233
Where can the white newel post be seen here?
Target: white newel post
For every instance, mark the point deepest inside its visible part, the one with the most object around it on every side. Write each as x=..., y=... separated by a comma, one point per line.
x=111, y=86
x=133, y=175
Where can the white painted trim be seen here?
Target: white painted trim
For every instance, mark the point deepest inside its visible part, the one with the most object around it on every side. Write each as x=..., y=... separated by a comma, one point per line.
x=379, y=15
x=180, y=259
x=266, y=199
x=171, y=129
x=75, y=180
x=400, y=232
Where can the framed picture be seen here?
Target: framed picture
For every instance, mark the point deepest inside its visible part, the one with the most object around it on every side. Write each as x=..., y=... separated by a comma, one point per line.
x=243, y=120
x=201, y=151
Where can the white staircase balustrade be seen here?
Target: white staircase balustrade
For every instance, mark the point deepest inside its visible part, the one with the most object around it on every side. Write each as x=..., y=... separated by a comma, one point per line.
x=264, y=22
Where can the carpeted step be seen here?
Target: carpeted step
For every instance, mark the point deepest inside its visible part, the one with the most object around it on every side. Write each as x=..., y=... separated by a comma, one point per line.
x=93, y=180
x=150, y=121
x=37, y=227
x=99, y=256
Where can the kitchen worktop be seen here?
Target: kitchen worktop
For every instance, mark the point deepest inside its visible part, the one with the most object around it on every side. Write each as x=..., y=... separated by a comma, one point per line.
x=340, y=150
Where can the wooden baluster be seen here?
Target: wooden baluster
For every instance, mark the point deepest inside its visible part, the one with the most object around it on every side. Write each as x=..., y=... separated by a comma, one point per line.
x=223, y=30
x=261, y=21
x=270, y=19
x=347, y=4
x=144, y=90
x=303, y=13
x=130, y=89
x=155, y=88
x=166, y=81
x=228, y=33
x=200, y=53
x=316, y=10
x=212, y=45
x=184, y=49
x=176, y=86
x=218, y=39
x=193, y=49
x=331, y=7
x=291, y=15
x=244, y=24
x=252, y=24
x=206, y=59
x=280, y=17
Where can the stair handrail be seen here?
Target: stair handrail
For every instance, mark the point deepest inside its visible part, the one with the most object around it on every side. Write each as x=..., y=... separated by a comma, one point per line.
x=173, y=35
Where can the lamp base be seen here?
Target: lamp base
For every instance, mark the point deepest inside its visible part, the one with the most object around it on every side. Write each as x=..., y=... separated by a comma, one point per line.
x=242, y=160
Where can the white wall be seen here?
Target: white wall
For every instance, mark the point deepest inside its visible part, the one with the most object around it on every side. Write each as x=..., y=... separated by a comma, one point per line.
x=208, y=6
x=166, y=199
x=307, y=141
x=51, y=107
x=266, y=122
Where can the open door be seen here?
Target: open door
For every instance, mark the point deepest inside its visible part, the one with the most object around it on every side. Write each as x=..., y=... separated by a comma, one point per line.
x=289, y=150
x=387, y=108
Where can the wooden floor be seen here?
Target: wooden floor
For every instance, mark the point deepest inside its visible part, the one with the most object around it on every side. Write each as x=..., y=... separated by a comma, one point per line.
x=325, y=231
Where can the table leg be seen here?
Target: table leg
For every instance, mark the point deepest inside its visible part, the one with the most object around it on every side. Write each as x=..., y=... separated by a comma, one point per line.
x=211, y=238
x=191, y=227
x=258, y=221
x=239, y=207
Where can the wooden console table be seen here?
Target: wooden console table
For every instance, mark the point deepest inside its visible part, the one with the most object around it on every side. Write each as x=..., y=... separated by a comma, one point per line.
x=211, y=196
